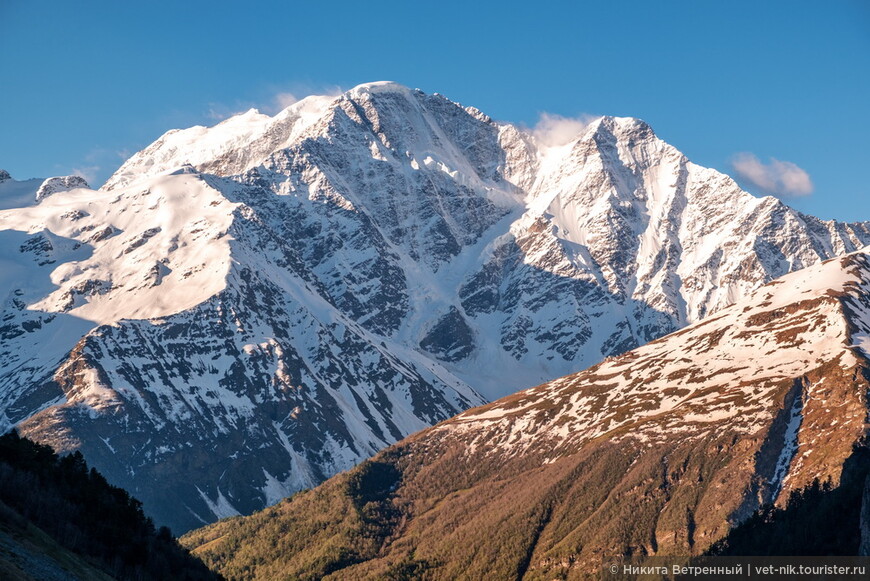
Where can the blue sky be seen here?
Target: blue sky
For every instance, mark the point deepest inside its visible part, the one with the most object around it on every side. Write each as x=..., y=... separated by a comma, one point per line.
x=779, y=88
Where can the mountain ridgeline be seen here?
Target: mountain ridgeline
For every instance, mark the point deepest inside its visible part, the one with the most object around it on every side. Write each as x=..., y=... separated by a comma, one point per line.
x=663, y=450
x=244, y=310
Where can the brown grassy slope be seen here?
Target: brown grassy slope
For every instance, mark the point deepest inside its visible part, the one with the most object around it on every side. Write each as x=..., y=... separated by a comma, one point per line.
x=460, y=516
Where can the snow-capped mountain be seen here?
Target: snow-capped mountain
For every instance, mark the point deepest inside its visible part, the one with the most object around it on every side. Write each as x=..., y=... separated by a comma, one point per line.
x=562, y=253
x=244, y=310
x=178, y=342
x=659, y=451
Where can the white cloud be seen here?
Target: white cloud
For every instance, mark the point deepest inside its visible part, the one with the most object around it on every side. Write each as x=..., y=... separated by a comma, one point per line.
x=278, y=102
x=778, y=178
x=94, y=166
x=89, y=173
x=554, y=130
x=296, y=93
x=95, y=155
x=284, y=100
x=219, y=112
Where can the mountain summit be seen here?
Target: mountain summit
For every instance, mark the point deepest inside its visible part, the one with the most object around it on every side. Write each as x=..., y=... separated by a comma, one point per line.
x=244, y=310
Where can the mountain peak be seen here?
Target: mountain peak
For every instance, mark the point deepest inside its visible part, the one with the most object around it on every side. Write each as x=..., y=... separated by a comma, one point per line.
x=378, y=87
x=621, y=126
x=60, y=184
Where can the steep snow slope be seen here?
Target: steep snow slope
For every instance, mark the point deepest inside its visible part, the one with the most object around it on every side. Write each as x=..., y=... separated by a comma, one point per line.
x=298, y=291
x=601, y=244
x=659, y=451
x=207, y=350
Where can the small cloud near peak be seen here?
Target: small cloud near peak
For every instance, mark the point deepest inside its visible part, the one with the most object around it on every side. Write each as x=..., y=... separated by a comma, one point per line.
x=554, y=130
x=777, y=178
x=284, y=100
x=220, y=112
x=88, y=173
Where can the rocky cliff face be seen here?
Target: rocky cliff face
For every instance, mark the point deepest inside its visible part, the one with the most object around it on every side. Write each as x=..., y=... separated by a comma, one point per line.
x=659, y=451
x=243, y=310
